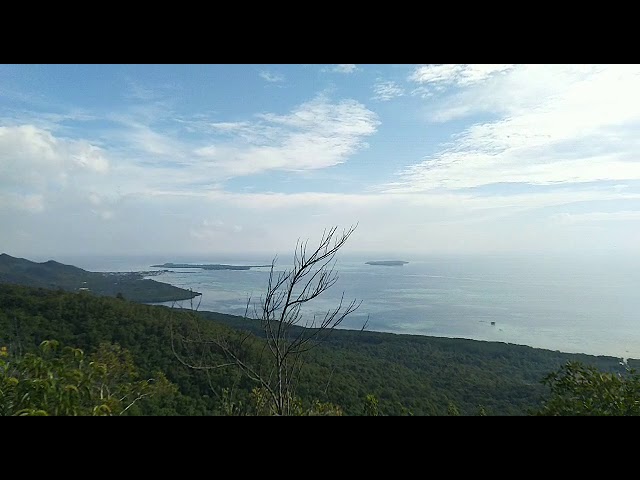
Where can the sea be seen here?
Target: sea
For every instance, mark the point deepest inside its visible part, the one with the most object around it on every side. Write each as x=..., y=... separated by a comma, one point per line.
x=578, y=304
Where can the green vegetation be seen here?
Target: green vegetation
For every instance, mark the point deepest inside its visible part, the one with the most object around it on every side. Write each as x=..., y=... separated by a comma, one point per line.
x=54, y=275
x=424, y=375
x=63, y=381
x=351, y=372
x=578, y=389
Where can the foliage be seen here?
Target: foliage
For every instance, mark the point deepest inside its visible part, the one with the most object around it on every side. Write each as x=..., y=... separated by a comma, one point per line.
x=259, y=404
x=29, y=316
x=371, y=406
x=577, y=389
x=63, y=381
x=407, y=374
x=452, y=410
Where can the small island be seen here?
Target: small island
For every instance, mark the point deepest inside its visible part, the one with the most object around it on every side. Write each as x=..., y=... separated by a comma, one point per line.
x=388, y=263
x=208, y=266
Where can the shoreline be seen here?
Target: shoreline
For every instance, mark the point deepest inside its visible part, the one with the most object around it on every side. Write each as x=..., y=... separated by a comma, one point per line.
x=246, y=320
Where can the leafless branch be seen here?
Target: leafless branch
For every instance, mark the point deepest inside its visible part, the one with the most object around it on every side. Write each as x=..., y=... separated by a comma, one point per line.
x=280, y=312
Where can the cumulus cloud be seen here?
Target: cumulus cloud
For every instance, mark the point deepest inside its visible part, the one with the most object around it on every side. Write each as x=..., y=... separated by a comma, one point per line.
x=33, y=158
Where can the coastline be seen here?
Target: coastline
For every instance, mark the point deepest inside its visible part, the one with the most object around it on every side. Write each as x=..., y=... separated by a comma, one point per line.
x=239, y=321
x=552, y=305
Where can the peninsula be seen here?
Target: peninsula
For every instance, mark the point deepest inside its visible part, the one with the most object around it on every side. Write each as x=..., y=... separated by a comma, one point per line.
x=208, y=266
x=53, y=275
x=387, y=263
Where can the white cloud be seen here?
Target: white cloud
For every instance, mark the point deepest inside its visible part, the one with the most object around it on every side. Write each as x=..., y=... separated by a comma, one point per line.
x=387, y=90
x=33, y=158
x=434, y=80
x=456, y=74
x=521, y=88
x=144, y=139
x=152, y=158
x=541, y=138
x=317, y=134
x=141, y=132
x=271, y=77
x=345, y=68
x=147, y=153
x=210, y=151
x=559, y=125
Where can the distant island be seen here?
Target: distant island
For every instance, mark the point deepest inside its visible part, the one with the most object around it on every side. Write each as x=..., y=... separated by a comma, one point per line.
x=208, y=266
x=388, y=263
x=53, y=275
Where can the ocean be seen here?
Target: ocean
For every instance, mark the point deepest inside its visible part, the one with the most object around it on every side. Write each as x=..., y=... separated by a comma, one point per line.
x=588, y=304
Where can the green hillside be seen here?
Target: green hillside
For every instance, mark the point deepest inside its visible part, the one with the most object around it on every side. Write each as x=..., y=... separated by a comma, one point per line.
x=54, y=275
x=408, y=374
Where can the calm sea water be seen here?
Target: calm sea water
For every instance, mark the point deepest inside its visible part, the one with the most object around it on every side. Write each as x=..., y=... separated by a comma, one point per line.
x=588, y=305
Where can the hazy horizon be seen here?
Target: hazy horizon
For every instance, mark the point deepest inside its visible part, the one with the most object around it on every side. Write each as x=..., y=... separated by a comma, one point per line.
x=245, y=159
x=284, y=257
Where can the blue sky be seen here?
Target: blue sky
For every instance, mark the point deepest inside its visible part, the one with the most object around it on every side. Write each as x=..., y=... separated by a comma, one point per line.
x=161, y=159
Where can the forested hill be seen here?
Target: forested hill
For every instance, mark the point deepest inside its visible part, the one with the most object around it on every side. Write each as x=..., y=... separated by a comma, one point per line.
x=408, y=374
x=54, y=275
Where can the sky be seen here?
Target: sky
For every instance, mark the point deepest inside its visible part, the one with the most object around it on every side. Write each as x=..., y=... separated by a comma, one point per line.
x=232, y=159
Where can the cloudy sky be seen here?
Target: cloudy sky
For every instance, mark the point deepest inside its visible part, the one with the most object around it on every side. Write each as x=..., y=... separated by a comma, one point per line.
x=160, y=159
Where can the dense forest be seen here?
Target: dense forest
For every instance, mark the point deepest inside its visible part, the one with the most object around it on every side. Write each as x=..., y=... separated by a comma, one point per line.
x=354, y=372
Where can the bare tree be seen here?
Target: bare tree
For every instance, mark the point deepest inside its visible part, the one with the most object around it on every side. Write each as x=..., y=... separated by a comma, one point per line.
x=289, y=330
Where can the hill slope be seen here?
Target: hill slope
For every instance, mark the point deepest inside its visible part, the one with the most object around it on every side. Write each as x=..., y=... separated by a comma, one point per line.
x=54, y=275
x=415, y=374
